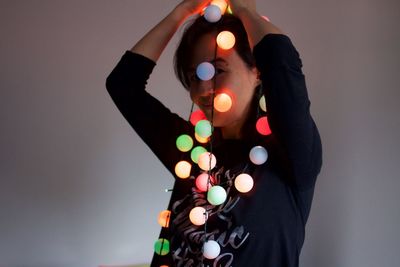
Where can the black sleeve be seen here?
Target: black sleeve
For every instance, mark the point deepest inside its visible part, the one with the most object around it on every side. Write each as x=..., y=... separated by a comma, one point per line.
x=288, y=107
x=153, y=122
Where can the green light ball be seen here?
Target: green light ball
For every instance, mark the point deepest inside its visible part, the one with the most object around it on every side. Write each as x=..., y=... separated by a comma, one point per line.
x=196, y=152
x=216, y=195
x=161, y=247
x=184, y=143
x=203, y=128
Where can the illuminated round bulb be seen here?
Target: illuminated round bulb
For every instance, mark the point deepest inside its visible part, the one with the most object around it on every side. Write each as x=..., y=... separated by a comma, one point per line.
x=222, y=102
x=163, y=218
x=222, y=4
x=263, y=104
x=196, y=152
x=229, y=10
x=266, y=18
x=262, y=126
x=200, y=139
x=258, y=155
x=196, y=116
x=226, y=40
x=161, y=247
x=198, y=216
x=211, y=249
x=182, y=169
x=184, y=142
x=212, y=13
x=244, y=183
x=204, y=161
x=216, y=195
x=203, y=128
x=204, y=182
x=205, y=71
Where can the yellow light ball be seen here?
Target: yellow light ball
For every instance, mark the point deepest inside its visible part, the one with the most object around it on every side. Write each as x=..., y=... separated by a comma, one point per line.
x=182, y=169
x=198, y=216
x=244, y=183
x=263, y=104
x=163, y=218
x=222, y=102
x=200, y=139
x=222, y=4
x=207, y=161
x=226, y=40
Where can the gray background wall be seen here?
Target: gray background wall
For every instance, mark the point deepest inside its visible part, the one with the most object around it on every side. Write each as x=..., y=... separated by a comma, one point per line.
x=79, y=188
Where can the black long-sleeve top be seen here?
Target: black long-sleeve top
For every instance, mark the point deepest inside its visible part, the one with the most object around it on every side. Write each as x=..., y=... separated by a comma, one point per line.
x=266, y=226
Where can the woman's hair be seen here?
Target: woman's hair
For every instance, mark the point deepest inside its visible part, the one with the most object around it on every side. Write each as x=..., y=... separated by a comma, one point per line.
x=198, y=28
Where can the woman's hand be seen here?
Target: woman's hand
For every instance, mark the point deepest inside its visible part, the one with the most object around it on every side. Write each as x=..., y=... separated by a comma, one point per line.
x=192, y=7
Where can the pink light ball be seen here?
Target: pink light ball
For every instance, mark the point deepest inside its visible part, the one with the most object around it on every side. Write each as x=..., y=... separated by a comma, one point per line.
x=204, y=182
x=244, y=183
x=258, y=155
x=211, y=249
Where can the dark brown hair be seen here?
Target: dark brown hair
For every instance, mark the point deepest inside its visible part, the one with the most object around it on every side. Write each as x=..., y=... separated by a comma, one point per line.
x=198, y=28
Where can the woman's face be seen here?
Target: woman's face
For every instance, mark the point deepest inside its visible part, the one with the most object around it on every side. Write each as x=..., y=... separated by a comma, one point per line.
x=232, y=76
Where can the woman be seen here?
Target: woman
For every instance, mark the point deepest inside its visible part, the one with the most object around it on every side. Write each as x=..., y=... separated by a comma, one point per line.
x=263, y=226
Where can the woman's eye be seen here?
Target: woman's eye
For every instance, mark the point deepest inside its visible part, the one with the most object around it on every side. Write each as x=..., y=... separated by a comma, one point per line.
x=219, y=71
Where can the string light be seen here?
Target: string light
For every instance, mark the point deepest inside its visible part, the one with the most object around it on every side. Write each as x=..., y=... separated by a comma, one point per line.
x=205, y=182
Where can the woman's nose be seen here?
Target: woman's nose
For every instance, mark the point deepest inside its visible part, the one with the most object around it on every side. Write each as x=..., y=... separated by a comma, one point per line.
x=204, y=88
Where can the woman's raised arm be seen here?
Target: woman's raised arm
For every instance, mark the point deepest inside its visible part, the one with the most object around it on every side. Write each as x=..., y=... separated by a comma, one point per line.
x=155, y=41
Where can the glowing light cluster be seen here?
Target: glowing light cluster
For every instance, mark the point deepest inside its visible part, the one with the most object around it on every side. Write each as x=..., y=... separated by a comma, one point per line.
x=196, y=152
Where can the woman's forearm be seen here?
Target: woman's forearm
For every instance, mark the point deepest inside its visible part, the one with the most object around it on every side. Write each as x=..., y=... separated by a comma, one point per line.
x=154, y=42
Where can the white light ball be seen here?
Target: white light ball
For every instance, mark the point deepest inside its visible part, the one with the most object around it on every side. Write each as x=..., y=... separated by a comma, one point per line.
x=205, y=71
x=212, y=13
x=244, y=183
x=198, y=215
x=211, y=249
x=263, y=104
x=258, y=155
x=216, y=195
x=204, y=161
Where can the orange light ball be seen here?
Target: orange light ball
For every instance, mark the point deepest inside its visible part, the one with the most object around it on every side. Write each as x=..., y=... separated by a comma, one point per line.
x=262, y=126
x=200, y=139
x=163, y=218
x=182, y=169
x=198, y=216
x=222, y=102
x=207, y=161
x=226, y=40
x=244, y=183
